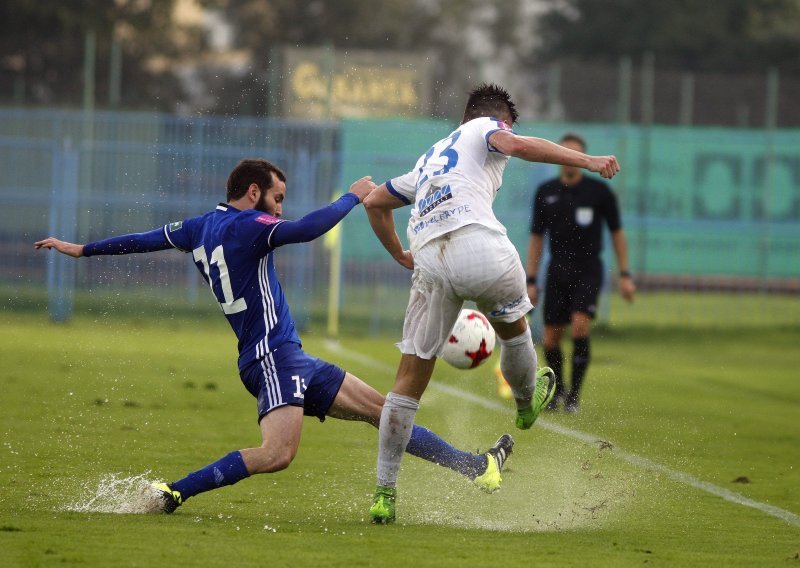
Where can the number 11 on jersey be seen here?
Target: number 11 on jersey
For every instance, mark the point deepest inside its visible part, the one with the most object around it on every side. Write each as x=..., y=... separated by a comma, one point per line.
x=228, y=304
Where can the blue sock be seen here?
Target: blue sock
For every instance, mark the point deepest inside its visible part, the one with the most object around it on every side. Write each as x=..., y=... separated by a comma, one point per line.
x=225, y=471
x=428, y=446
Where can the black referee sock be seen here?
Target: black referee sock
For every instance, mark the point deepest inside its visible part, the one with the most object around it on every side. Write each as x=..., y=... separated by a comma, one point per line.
x=555, y=360
x=580, y=362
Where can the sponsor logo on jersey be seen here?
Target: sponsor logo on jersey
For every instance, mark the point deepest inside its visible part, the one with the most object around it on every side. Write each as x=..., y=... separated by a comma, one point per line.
x=175, y=226
x=584, y=216
x=435, y=196
x=267, y=219
x=441, y=217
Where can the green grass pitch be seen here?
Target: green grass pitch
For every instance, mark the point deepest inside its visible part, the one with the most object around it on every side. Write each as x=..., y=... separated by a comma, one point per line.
x=109, y=397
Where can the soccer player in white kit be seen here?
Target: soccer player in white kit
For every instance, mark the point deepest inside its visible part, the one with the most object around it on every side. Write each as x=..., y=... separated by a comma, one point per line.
x=459, y=251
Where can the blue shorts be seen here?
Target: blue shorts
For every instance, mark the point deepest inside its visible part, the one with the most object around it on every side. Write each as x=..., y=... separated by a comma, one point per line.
x=289, y=375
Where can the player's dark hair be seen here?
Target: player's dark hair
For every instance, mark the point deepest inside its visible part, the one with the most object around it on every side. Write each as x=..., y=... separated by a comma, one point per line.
x=247, y=172
x=489, y=100
x=572, y=137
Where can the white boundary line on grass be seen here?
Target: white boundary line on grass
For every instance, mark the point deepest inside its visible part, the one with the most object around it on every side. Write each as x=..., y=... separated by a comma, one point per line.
x=675, y=475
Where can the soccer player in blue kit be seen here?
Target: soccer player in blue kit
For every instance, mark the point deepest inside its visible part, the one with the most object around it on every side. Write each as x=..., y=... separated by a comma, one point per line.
x=233, y=247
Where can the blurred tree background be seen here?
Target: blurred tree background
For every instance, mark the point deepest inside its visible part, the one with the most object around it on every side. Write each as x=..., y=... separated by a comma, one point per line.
x=724, y=35
x=216, y=56
x=42, y=46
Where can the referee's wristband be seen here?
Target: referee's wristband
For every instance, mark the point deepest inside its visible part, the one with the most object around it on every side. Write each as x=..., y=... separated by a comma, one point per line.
x=624, y=274
x=531, y=280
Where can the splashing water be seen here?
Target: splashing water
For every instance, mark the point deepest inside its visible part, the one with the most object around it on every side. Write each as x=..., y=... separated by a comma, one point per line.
x=545, y=503
x=114, y=493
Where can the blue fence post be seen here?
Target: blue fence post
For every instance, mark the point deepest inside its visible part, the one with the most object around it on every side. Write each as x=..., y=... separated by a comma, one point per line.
x=61, y=270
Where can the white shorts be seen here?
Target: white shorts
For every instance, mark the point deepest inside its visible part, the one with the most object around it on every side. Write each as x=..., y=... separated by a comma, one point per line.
x=472, y=263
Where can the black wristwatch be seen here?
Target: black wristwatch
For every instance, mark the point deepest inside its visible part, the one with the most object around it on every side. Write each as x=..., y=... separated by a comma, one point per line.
x=531, y=280
x=624, y=274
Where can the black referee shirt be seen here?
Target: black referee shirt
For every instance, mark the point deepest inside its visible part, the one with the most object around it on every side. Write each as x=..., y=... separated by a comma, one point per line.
x=573, y=217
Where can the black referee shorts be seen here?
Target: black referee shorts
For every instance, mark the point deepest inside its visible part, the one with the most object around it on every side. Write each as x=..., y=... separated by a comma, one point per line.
x=571, y=288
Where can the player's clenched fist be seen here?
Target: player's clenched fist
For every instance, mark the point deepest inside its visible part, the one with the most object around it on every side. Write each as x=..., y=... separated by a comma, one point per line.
x=606, y=166
x=363, y=187
x=70, y=249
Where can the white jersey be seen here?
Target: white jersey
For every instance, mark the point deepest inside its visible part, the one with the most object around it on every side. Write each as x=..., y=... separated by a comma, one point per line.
x=454, y=183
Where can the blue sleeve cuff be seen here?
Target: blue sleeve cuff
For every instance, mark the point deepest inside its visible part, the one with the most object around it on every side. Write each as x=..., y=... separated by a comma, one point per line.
x=396, y=193
x=489, y=144
x=352, y=197
x=90, y=249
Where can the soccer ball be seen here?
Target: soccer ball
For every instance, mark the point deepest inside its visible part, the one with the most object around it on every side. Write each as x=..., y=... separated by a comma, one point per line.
x=471, y=341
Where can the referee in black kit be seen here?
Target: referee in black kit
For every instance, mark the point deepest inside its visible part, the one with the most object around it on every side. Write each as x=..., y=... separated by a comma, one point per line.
x=572, y=209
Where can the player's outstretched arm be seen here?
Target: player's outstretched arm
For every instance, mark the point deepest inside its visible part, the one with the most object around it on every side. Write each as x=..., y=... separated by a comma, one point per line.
x=379, y=206
x=69, y=249
x=534, y=149
x=125, y=244
x=319, y=222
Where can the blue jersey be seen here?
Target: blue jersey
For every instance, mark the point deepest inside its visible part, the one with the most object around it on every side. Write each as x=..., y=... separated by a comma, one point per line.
x=233, y=250
x=234, y=253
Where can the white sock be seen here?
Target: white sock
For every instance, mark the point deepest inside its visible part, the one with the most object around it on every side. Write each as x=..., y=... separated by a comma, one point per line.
x=397, y=420
x=518, y=363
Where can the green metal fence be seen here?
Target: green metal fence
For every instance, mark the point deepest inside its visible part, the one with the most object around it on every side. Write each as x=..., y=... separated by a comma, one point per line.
x=708, y=210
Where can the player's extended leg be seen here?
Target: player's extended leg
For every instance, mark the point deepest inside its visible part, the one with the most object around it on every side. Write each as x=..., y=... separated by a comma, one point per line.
x=280, y=434
x=356, y=400
x=532, y=390
x=394, y=433
x=581, y=354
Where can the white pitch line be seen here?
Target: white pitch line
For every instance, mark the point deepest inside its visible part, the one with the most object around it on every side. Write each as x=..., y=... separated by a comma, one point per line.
x=675, y=475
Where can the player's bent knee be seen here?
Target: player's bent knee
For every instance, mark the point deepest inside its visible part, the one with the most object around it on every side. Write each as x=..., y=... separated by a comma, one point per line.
x=270, y=460
x=282, y=462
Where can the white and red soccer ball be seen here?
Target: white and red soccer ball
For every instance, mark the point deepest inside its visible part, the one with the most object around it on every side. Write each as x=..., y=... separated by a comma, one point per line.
x=471, y=341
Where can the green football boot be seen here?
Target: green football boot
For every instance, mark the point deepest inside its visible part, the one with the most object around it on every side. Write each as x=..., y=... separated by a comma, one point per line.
x=169, y=499
x=496, y=457
x=382, y=510
x=542, y=395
